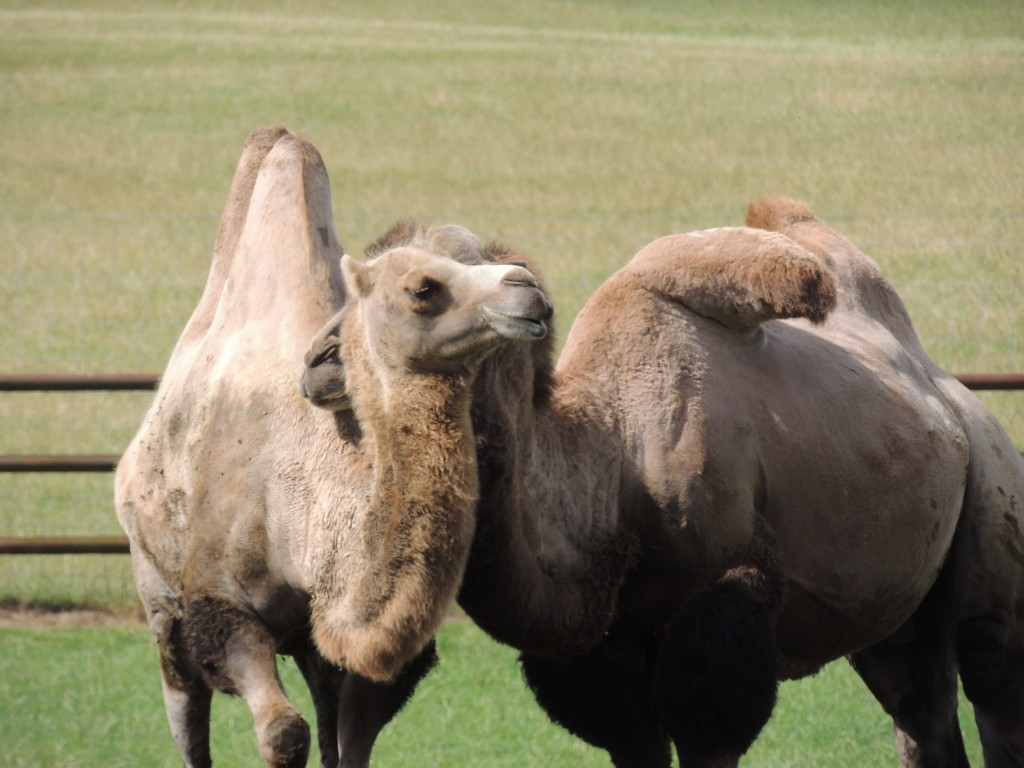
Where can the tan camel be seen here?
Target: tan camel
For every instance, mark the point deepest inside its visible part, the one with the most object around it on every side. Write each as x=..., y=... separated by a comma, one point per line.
x=256, y=521
x=707, y=497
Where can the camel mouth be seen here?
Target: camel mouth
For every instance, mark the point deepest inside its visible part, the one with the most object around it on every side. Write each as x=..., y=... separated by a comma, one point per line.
x=513, y=326
x=334, y=402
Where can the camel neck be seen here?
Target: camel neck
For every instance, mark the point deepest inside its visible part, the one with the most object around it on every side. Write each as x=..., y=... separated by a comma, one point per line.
x=548, y=558
x=416, y=531
x=424, y=490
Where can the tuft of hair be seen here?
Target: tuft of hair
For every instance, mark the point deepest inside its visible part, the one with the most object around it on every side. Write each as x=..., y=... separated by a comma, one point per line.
x=717, y=672
x=777, y=214
x=400, y=233
x=598, y=702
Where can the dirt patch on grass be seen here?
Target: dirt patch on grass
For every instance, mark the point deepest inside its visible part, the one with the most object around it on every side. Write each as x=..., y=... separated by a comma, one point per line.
x=22, y=617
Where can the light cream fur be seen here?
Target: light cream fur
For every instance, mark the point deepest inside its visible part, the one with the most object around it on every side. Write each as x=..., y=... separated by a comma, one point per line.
x=252, y=516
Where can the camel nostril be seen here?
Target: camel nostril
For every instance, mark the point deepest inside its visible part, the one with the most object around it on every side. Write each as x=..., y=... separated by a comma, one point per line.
x=519, y=281
x=518, y=276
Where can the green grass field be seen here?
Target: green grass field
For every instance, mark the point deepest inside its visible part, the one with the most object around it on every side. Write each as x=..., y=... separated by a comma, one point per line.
x=91, y=697
x=575, y=130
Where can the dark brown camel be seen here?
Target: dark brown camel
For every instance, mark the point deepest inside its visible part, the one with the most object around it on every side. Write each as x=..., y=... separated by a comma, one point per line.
x=707, y=497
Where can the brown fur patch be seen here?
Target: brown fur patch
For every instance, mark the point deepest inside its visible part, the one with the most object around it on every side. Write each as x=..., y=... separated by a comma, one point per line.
x=777, y=213
x=209, y=627
x=400, y=233
x=738, y=276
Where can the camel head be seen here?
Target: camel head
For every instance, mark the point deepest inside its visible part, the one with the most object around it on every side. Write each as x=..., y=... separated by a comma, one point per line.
x=323, y=379
x=423, y=312
x=419, y=322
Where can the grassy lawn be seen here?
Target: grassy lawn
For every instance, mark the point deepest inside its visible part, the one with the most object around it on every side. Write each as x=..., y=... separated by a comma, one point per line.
x=91, y=697
x=575, y=130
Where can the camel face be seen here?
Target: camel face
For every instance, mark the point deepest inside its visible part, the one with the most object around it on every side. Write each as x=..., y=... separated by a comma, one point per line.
x=428, y=313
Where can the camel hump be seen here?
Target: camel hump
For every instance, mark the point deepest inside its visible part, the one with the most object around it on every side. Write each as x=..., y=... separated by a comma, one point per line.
x=863, y=288
x=777, y=214
x=739, y=276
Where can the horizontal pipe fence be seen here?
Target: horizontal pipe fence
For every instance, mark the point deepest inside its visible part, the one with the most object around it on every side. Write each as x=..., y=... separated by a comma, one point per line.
x=115, y=382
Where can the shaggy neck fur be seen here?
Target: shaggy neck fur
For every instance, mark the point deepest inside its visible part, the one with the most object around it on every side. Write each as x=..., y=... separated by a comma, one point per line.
x=418, y=524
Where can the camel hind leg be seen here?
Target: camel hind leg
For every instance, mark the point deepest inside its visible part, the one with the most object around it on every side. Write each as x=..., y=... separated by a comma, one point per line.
x=913, y=677
x=990, y=652
x=987, y=563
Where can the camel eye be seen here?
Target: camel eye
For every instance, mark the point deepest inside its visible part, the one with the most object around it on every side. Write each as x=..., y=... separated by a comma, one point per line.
x=425, y=291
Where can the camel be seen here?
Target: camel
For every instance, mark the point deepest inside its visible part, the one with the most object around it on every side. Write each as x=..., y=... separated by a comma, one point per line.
x=259, y=525
x=743, y=468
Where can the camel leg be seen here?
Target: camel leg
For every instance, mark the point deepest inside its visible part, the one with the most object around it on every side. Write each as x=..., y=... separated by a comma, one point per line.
x=986, y=564
x=365, y=707
x=324, y=681
x=605, y=698
x=990, y=653
x=237, y=655
x=913, y=676
x=716, y=680
x=186, y=697
x=188, y=713
x=915, y=682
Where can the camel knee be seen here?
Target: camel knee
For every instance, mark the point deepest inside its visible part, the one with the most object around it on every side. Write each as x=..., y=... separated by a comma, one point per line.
x=717, y=673
x=284, y=738
x=175, y=665
x=222, y=641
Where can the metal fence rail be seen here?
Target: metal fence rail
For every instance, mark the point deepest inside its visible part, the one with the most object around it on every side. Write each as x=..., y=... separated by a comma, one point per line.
x=143, y=381
x=79, y=382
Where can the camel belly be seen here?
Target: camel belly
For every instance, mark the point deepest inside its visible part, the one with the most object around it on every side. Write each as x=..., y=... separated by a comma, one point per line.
x=862, y=556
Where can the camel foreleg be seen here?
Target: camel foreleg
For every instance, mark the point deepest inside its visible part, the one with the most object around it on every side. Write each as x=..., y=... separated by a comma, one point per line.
x=236, y=654
x=186, y=697
x=716, y=680
x=605, y=698
x=324, y=682
x=366, y=706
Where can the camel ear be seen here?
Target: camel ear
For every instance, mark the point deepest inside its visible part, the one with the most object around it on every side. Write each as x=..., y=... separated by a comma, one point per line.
x=457, y=242
x=358, y=277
